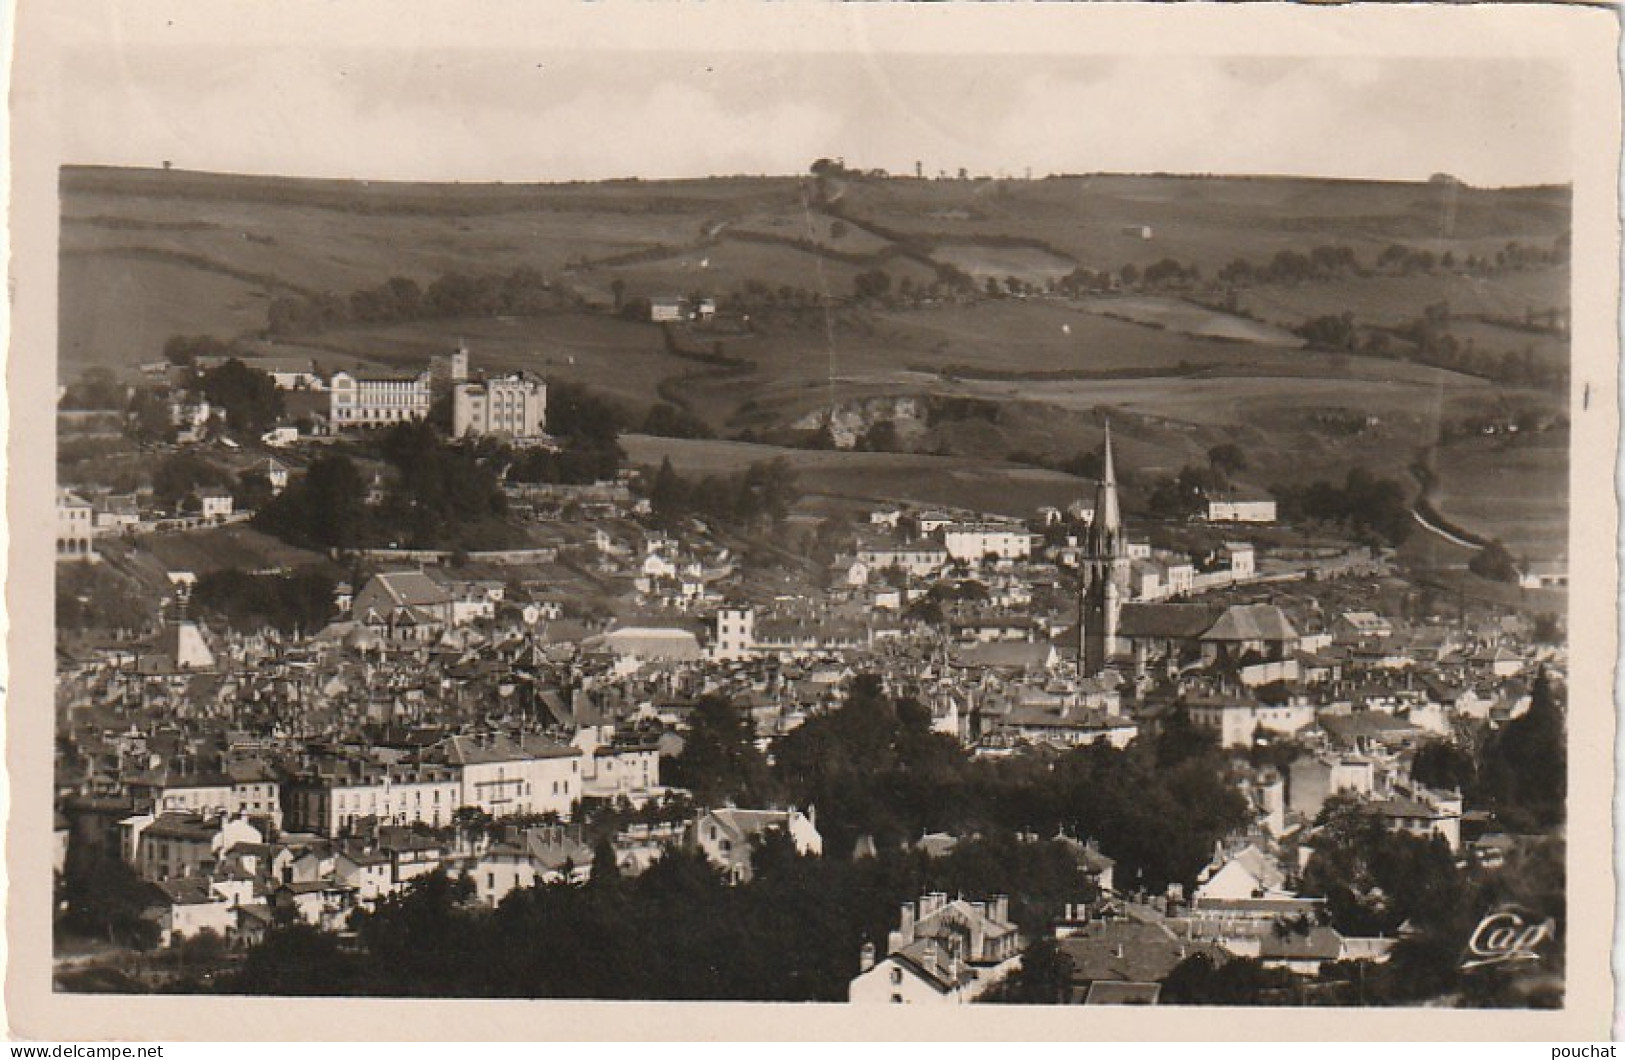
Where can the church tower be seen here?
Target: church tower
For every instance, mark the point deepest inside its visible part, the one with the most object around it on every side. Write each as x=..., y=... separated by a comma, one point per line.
x=1105, y=574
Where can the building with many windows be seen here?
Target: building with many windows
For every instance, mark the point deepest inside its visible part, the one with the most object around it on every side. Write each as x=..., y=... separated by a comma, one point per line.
x=367, y=400
x=509, y=406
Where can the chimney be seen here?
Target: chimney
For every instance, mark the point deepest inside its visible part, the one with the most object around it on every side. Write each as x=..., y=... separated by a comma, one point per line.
x=1001, y=908
x=906, y=922
x=931, y=958
x=866, y=957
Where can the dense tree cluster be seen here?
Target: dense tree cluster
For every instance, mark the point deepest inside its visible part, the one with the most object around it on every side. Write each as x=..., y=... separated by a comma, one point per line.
x=252, y=602
x=875, y=768
x=1371, y=506
x=1374, y=879
x=324, y=508
x=1428, y=339
x=1494, y=562
x=760, y=494
x=440, y=495
x=872, y=285
x=670, y=421
x=249, y=396
x=97, y=389
x=180, y=475
x=1524, y=766
x=523, y=291
x=588, y=429
x=679, y=931
x=186, y=350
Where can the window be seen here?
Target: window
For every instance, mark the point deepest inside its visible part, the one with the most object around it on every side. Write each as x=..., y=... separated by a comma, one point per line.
x=897, y=999
x=897, y=976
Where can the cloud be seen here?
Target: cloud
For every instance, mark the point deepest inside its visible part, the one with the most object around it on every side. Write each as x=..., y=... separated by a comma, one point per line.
x=510, y=115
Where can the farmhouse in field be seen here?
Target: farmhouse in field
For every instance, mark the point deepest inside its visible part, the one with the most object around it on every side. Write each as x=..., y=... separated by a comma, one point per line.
x=670, y=310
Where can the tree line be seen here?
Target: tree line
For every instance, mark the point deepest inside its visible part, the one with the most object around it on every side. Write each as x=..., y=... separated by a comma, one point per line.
x=1427, y=339
x=520, y=292
x=761, y=494
x=438, y=495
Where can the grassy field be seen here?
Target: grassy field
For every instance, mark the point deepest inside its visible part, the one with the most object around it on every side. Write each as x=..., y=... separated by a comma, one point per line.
x=1098, y=220
x=221, y=548
x=1518, y=493
x=118, y=312
x=984, y=485
x=1548, y=349
x=1396, y=299
x=728, y=264
x=983, y=261
x=201, y=252
x=1187, y=318
x=812, y=225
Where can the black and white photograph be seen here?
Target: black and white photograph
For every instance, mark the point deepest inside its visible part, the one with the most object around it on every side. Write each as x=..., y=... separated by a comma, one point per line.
x=540, y=518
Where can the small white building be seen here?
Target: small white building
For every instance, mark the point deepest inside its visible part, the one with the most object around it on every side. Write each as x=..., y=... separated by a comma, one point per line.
x=726, y=836
x=1240, y=559
x=75, y=526
x=1238, y=509
x=734, y=636
x=214, y=503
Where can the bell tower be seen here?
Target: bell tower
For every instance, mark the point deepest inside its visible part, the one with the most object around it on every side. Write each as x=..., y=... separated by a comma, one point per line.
x=1105, y=574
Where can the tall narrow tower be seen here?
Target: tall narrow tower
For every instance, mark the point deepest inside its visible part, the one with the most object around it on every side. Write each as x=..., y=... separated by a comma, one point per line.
x=1105, y=573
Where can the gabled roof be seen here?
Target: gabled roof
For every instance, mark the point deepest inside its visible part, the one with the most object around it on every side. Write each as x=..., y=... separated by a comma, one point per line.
x=1171, y=621
x=1247, y=622
x=927, y=959
x=1006, y=654
x=1104, y=992
x=1127, y=952
x=499, y=747
x=742, y=824
x=1319, y=943
x=188, y=890
x=1365, y=723
x=182, y=826
x=412, y=588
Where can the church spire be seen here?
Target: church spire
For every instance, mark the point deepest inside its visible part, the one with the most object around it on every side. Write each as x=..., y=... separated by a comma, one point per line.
x=1106, y=531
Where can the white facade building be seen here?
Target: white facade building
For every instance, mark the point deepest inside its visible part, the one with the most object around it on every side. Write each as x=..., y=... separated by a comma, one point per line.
x=972, y=543
x=511, y=406
x=1240, y=510
x=75, y=525
x=378, y=400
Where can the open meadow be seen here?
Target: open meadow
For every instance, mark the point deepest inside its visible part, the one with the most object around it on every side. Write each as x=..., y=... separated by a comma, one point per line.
x=149, y=254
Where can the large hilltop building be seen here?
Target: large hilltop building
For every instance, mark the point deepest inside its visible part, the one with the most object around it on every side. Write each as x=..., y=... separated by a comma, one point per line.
x=367, y=400
x=508, y=406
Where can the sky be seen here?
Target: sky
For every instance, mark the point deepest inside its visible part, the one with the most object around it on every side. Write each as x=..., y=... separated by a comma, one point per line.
x=487, y=111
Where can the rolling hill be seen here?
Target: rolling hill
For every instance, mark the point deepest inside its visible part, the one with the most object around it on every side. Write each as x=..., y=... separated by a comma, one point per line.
x=149, y=254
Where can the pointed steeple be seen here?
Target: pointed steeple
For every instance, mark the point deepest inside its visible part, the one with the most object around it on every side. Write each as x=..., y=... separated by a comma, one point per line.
x=1106, y=532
